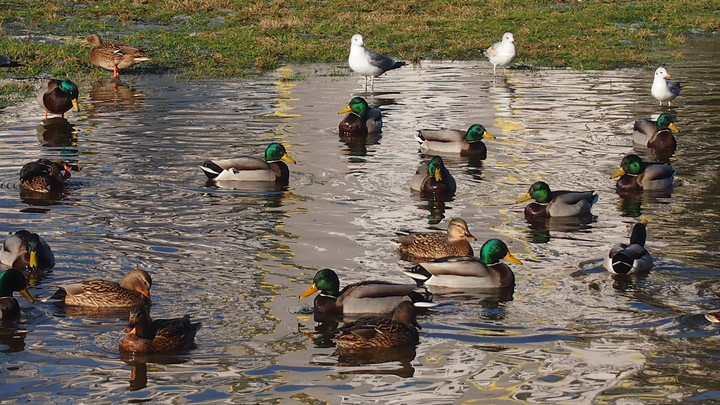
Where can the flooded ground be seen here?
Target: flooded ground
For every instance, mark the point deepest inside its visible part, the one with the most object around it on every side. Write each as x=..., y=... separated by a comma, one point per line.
x=237, y=258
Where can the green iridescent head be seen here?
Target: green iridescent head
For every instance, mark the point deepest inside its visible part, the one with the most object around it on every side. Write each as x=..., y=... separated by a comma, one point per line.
x=476, y=132
x=493, y=250
x=665, y=121
x=357, y=106
x=14, y=280
x=276, y=151
x=539, y=191
x=631, y=164
x=435, y=167
x=326, y=281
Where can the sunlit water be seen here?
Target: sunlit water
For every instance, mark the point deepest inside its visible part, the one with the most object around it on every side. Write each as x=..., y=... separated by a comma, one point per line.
x=237, y=258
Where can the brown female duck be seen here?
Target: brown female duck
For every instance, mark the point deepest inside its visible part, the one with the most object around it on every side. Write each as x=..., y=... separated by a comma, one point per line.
x=159, y=336
x=132, y=291
x=46, y=176
x=381, y=332
x=113, y=55
x=433, y=245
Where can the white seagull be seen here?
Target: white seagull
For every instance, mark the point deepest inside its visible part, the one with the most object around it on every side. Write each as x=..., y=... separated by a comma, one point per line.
x=664, y=90
x=369, y=63
x=501, y=53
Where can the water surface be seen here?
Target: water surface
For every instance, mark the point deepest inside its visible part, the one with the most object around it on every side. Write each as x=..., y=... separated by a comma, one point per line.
x=237, y=258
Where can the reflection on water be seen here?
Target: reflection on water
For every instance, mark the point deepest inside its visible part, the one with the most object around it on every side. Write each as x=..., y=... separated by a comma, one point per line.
x=236, y=258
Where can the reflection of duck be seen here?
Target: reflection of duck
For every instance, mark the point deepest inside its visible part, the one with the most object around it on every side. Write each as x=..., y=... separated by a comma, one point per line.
x=132, y=291
x=432, y=245
x=58, y=96
x=656, y=134
x=632, y=258
x=433, y=179
x=557, y=203
x=361, y=119
x=45, y=175
x=381, y=332
x=367, y=297
x=250, y=168
x=635, y=175
x=469, y=272
x=10, y=281
x=113, y=55
x=110, y=93
x=56, y=131
x=160, y=335
x=466, y=143
x=27, y=252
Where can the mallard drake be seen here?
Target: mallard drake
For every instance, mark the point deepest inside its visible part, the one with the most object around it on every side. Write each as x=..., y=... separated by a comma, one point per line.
x=251, y=168
x=656, y=134
x=713, y=317
x=381, y=332
x=635, y=174
x=632, y=258
x=501, y=53
x=10, y=281
x=369, y=63
x=58, y=97
x=46, y=176
x=113, y=55
x=159, y=336
x=663, y=89
x=367, y=297
x=433, y=245
x=467, y=271
x=557, y=203
x=433, y=179
x=361, y=119
x=27, y=252
x=132, y=291
x=466, y=143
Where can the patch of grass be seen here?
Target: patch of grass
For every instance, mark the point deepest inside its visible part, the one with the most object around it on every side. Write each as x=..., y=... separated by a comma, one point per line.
x=233, y=38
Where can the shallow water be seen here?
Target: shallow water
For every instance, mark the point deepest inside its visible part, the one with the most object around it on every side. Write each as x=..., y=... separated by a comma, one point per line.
x=237, y=258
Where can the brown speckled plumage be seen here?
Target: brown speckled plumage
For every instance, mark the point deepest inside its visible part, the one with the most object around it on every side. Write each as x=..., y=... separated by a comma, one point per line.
x=381, y=332
x=113, y=55
x=132, y=291
x=433, y=245
x=160, y=335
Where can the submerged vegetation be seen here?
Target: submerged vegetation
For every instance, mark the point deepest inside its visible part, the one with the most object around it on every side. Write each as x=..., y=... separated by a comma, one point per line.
x=232, y=38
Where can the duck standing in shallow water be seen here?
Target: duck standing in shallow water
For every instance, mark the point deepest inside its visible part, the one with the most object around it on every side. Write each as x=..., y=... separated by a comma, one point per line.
x=27, y=252
x=501, y=53
x=663, y=89
x=433, y=245
x=381, y=332
x=630, y=258
x=557, y=203
x=159, y=336
x=433, y=179
x=369, y=63
x=113, y=55
x=251, y=168
x=656, y=134
x=361, y=119
x=466, y=143
x=367, y=297
x=10, y=281
x=636, y=175
x=131, y=292
x=58, y=97
x=467, y=271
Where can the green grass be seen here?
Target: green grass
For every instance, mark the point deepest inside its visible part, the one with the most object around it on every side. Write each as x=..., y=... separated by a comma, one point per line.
x=229, y=38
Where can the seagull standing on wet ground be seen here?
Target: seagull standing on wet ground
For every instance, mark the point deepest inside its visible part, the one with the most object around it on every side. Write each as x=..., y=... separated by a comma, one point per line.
x=501, y=53
x=662, y=89
x=369, y=63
